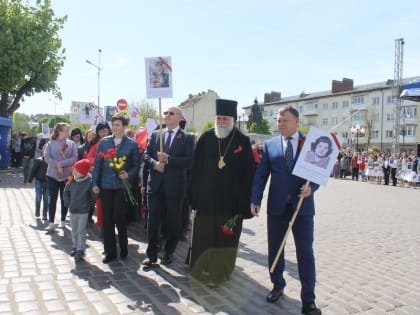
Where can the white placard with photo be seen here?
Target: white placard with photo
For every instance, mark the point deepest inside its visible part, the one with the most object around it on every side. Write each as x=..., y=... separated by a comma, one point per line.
x=158, y=77
x=88, y=113
x=45, y=131
x=317, y=156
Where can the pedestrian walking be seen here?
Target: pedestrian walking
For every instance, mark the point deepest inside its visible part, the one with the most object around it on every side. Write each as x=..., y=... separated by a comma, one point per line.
x=60, y=154
x=223, y=169
x=166, y=186
x=278, y=158
x=78, y=197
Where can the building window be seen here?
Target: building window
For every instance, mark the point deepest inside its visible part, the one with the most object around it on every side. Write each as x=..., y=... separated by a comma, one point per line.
x=311, y=122
x=389, y=116
x=335, y=105
x=375, y=100
x=374, y=134
x=334, y=121
x=390, y=99
x=357, y=100
x=345, y=134
x=388, y=134
x=409, y=130
x=325, y=106
x=345, y=104
x=325, y=121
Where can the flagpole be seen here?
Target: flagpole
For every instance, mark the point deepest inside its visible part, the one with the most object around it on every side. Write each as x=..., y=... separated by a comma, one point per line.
x=160, y=125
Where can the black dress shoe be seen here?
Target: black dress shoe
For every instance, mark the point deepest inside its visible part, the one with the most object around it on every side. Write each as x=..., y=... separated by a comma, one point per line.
x=274, y=295
x=108, y=258
x=167, y=259
x=310, y=309
x=149, y=262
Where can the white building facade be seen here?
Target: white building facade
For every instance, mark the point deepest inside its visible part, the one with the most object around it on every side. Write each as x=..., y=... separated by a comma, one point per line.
x=369, y=108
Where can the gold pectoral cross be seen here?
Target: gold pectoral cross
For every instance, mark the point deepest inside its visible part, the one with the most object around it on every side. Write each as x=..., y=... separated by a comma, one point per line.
x=221, y=163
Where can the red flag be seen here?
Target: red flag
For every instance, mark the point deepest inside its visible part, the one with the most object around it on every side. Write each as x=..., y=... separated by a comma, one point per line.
x=141, y=138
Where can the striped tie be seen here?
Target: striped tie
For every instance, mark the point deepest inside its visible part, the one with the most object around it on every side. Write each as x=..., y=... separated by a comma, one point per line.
x=289, y=154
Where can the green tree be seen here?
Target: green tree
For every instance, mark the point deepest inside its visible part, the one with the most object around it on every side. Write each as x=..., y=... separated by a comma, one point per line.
x=263, y=129
x=253, y=128
x=209, y=124
x=31, y=57
x=21, y=122
x=146, y=110
x=52, y=121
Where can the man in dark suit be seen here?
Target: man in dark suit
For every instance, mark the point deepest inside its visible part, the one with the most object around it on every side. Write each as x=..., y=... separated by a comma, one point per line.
x=167, y=184
x=278, y=158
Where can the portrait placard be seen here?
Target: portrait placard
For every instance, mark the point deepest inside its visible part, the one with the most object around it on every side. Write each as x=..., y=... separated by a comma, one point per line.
x=317, y=156
x=158, y=77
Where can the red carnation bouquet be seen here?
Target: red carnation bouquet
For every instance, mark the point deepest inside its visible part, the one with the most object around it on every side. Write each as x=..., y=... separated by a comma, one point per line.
x=230, y=224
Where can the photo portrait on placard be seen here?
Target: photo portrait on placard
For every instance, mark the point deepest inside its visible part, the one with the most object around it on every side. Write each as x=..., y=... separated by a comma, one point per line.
x=109, y=111
x=320, y=152
x=317, y=156
x=158, y=77
x=88, y=112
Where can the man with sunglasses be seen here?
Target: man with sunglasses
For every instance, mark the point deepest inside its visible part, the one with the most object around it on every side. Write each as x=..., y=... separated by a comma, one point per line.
x=167, y=184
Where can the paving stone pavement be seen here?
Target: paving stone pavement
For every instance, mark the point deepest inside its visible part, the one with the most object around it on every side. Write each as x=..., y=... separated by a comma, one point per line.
x=367, y=246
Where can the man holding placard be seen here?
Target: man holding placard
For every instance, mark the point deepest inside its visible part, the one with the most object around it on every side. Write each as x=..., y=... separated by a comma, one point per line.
x=278, y=159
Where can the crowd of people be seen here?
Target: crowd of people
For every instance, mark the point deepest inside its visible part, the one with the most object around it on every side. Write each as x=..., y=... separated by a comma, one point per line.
x=217, y=180
x=380, y=168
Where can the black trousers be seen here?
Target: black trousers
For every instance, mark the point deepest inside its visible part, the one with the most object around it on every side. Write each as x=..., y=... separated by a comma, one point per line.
x=394, y=176
x=386, y=175
x=114, y=207
x=355, y=173
x=165, y=211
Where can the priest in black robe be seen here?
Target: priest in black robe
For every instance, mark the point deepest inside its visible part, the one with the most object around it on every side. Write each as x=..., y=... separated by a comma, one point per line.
x=221, y=187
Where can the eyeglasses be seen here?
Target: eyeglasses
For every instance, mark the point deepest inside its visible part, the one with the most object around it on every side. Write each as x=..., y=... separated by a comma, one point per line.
x=170, y=113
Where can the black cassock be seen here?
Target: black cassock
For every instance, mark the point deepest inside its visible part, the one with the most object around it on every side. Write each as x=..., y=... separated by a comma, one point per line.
x=220, y=189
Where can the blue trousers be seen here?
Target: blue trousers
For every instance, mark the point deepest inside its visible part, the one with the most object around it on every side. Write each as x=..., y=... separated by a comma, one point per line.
x=303, y=234
x=41, y=193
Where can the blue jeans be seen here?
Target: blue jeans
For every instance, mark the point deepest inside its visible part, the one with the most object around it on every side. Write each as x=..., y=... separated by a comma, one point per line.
x=78, y=222
x=27, y=167
x=54, y=187
x=41, y=193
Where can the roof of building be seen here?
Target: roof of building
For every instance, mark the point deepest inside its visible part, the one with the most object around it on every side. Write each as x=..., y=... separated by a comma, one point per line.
x=316, y=95
x=194, y=98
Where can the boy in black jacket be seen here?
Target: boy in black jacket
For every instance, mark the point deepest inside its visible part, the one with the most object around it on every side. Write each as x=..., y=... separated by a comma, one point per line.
x=39, y=171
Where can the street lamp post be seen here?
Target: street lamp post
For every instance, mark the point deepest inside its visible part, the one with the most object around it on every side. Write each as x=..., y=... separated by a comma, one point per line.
x=357, y=130
x=98, y=67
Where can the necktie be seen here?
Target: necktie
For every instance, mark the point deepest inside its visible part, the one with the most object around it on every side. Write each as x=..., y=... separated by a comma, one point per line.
x=289, y=154
x=168, y=141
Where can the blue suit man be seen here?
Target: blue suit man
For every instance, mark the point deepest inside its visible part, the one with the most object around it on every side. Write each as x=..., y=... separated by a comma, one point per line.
x=166, y=186
x=284, y=194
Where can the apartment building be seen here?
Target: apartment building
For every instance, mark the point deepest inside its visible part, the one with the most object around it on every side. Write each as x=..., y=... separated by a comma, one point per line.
x=363, y=114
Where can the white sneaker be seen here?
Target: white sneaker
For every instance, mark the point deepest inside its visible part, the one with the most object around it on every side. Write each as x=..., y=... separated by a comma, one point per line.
x=63, y=224
x=51, y=227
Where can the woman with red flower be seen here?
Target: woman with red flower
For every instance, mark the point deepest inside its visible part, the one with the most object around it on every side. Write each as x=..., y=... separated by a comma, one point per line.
x=109, y=184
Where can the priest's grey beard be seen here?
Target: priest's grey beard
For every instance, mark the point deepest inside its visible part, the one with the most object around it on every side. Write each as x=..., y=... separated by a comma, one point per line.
x=223, y=132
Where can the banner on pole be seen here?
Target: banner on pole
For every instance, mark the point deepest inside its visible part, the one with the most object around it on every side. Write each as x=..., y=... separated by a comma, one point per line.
x=158, y=77
x=318, y=156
